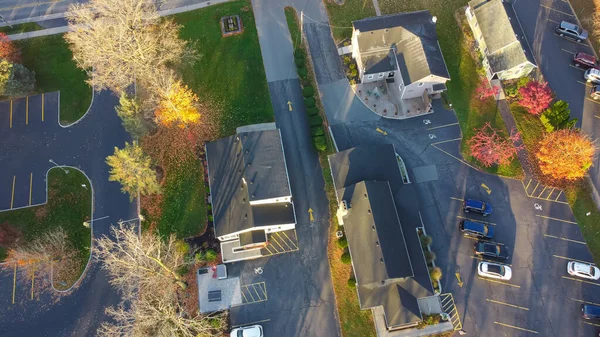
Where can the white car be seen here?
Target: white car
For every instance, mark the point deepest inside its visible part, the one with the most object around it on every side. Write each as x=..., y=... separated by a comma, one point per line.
x=494, y=270
x=592, y=75
x=584, y=270
x=248, y=331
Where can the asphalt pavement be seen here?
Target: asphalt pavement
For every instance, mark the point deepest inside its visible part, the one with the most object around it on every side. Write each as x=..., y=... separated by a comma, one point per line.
x=26, y=149
x=300, y=300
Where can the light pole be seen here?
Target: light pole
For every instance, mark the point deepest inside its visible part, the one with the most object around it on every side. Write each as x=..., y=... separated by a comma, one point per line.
x=3, y=19
x=55, y=164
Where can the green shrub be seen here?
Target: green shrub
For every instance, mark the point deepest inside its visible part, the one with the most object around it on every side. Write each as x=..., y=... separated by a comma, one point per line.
x=429, y=256
x=302, y=72
x=207, y=190
x=300, y=62
x=182, y=247
x=511, y=91
x=347, y=60
x=308, y=91
x=210, y=218
x=317, y=131
x=299, y=52
x=319, y=143
x=522, y=82
x=556, y=117
x=215, y=323
x=436, y=274
x=426, y=240
x=352, y=66
x=182, y=270
x=351, y=283
x=209, y=207
x=346, y=258
x=342, y=242
x=210, y=255
x=305, y=82
x=312, y=111
x=315, y=121
x=310, y=102
x=200, y=257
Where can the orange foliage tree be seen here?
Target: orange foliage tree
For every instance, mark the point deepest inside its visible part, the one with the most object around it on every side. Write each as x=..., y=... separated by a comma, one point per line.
x=565, y=155
x=177, y=105
x=8, y=50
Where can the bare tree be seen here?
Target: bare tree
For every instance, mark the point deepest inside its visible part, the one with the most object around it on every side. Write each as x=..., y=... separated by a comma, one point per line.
x=145, y=263
x=150, y=315
x=122, y=41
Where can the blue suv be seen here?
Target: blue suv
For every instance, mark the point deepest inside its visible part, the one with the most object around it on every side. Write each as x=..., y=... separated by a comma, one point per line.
x=471, y=205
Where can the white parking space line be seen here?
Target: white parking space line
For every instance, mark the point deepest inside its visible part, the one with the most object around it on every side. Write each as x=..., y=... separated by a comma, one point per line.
x=574, y=67
x=571, y=259
x=442, y=126
x=504, y=283
x=550, y=20
x=478, y=257
x=568, y=51
x=458, y=199
x=556, y=10
x=564, y=239
x=506, y=304
x=582, y=281
x=586, y=302
x=588, y=323
x=557, y=219
x=251, y=323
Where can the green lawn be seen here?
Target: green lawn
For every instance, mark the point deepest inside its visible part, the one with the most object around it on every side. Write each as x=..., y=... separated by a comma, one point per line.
x=581, y=201
x=22, y=28
x=69, y=205
x=183, y=208
x=229, y=73
x=341, y=17
x=52, y=61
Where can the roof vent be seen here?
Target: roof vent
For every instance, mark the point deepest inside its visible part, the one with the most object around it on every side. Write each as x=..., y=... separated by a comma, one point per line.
x=246, y=216
x=366, y=196
x=387, y=30
x=243, y=200
x=371, y=33
x=369, y=211
x=237, y=138
x=381, y=260
x=253, y=196
x=377, y=243
x=373, y=228
x=434, y=19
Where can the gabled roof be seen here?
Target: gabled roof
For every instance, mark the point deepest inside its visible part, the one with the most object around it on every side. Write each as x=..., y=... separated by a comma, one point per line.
x=410, y=37
x=373, y=170
x=505, y=41
x=247, y=167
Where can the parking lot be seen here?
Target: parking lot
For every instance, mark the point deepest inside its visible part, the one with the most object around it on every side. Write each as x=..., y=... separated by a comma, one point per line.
x=28, y=126
x=532, y=220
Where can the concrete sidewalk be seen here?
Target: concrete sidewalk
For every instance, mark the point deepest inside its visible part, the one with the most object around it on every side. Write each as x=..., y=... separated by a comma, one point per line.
x=64, y=29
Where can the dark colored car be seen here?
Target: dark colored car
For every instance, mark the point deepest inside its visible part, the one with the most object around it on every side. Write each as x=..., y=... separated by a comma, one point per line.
x=491, y=249
x=585, y=60
x=471, y=205
x=476, y=229
x=571, y=31
x=590, y=312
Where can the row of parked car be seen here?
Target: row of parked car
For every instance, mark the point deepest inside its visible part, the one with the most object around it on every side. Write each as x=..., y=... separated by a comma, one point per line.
x=485, y=247
x=592, y=74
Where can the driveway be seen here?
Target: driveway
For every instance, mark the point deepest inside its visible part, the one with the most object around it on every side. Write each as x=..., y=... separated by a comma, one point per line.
x=27, y=148
x=299, y=293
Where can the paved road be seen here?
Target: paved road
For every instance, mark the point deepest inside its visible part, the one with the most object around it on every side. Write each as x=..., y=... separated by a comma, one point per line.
x=553, y=55
x=27, y=148
x=300, y=300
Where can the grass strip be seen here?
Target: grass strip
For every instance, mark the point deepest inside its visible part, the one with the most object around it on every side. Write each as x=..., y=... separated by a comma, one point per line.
x=55, y=70
x=21, y=28
x=69, y=205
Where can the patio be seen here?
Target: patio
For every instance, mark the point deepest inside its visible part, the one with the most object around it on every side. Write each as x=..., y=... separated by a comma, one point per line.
x=384, y=100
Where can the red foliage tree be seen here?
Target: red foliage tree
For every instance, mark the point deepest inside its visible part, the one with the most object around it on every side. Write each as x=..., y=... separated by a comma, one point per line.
x=8, y=50
x=491, y=148
x=484, y=90
x=535, y=97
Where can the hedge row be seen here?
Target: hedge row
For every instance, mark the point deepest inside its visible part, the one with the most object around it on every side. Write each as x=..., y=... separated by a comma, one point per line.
x=308, y=92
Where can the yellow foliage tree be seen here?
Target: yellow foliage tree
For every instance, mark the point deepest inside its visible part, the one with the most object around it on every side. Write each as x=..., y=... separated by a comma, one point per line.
x=132, y=168
x=177, y=105
x=565, y=155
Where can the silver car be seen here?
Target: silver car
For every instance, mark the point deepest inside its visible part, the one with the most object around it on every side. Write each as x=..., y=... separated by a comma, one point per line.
x=592, y=75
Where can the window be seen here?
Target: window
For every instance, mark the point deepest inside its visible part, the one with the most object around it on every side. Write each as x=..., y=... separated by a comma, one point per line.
x=476, y=24
x=380, y=75
x=480, y=37
x=421, y=84
x=369, y=77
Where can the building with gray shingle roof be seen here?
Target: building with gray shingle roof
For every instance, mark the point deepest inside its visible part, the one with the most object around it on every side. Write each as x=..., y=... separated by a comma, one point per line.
x=498, y=34
x=402, y=49
x=250, y=191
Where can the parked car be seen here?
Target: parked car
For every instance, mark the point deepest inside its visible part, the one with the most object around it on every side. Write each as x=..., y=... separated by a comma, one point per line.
x=491, y=249
x=585, y=60
x=595, y=94
x=571, y=31
x=248, y=331
x=472, y=205
x=583, y=270
x=590, y=312
x=476, y=229
x=494, y=270
x=592, y=75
